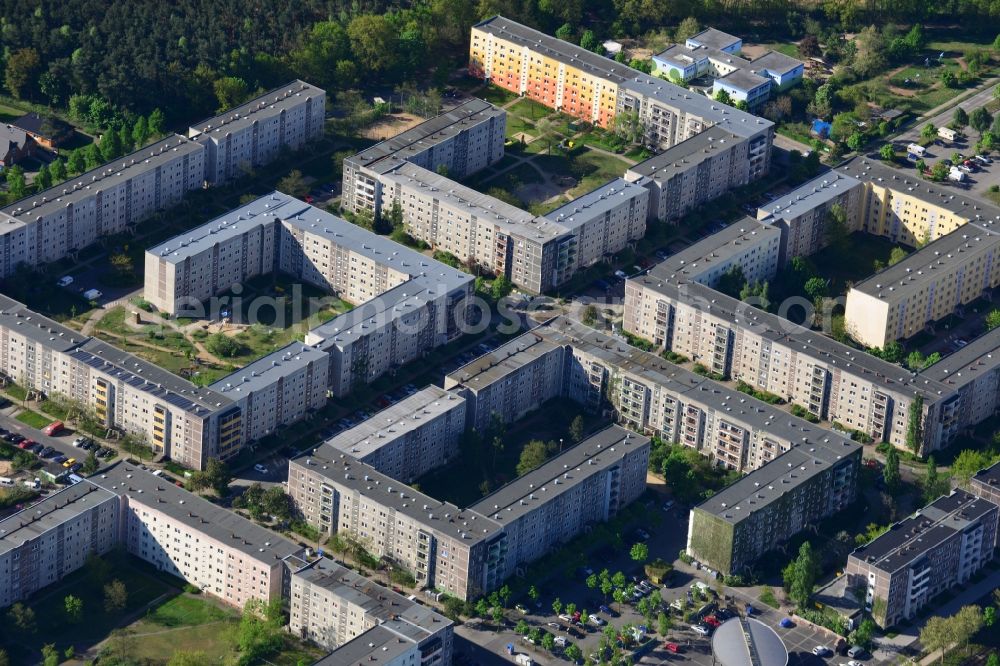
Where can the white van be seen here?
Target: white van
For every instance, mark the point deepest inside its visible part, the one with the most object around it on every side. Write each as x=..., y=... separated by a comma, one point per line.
x=5, y=481
x=92, y=294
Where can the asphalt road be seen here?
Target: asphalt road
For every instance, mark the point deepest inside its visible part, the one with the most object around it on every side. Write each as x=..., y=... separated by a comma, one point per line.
x=943, y=118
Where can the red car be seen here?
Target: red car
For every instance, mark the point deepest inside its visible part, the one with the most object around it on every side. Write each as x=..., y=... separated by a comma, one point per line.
x=712, y=621
x=25, y=444
x=672, y=647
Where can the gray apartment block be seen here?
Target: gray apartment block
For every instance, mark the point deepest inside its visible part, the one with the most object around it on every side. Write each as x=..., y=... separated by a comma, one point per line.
x=54, y=537
x=278, y=389
x=804, y=485
x=256, y=132
x=833, y=381
x=410, y=438
x=361, y=621
x=453, y=550
x=110, y=199
x=974, y=373
x=510, y=381
x=940, y=546
x=552, y=504
x=986, y=484
x=536, y=253
x=693, y=172
x=462, y=141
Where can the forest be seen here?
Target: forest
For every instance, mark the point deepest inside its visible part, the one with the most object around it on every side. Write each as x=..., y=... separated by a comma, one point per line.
x=191, y=58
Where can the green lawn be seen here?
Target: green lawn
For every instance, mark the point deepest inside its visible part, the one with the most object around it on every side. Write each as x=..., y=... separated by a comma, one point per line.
x=528, y=109
x=516, y=125
x=496, y=95
x=9, y=113
x=34, y=419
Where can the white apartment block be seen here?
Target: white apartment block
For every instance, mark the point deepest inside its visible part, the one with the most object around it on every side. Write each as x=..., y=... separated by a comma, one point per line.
x=408, y=439
x=833, y=381
x=535, y=252
x=510, y=381
x=748, y=244
x=457, y=551
x=459, y=142
x=361, y=621
x=278, y=389
x=552, y=504
x=54, y=537
x=693, y=172
x=63, y=219
x=178, y=532
x=176, y=418
x=256, y=132
x=904, y=299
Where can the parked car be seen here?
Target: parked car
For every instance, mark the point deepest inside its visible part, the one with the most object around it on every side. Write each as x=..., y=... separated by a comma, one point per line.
x=620, y=274
x=565, y=618
x=786, y=623
x=521, y=608
x=672, y=647
x=36, y=447
x=65, y=281
x=75, y=467
x=69, y=462
x=857, y=652
x=702, y=629
x=53, y=428
x=46, y=452
x=59, y=458
x=260, y=468
x=822, y=651
x=598, y=620
x=711, y=621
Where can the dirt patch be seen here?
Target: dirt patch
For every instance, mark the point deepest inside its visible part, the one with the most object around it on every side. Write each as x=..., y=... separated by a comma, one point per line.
x=536, y=192
x=6, y=468
x=902, y=92
x=753, y=51
x=391, y=125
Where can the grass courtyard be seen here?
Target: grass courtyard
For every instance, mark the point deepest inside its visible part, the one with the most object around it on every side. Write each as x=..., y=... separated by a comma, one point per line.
x=158, y=618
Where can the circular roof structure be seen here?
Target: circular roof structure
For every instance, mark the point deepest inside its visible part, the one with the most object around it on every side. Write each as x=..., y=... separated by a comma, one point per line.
x=748, y=642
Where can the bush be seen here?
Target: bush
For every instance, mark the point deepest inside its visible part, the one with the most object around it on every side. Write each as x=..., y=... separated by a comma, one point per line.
x=803, y=413
x=192, y=589
x=674, y=357
x=767, y=596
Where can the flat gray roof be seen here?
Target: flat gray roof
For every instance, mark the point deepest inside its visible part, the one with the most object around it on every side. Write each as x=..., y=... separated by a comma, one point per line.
x=681, y=56
x=49, y=513
x=989, y=476
x=743, y=79
x=921, y=266
x=910, y=539
x=817, y=192
x=769, y=483
x=265, y=371
x=268, y=104
x=58, y=197
x=969, y=363
x=714, y=38
x=16, y=316
x=715, y=249
x=681, y=157
x=982, y=213
x=598, y=201
x=417, y=139
x=395, y=421
x=776, y=62
x=363, y=479
x=739, y=122
x=812, y=343
x=502, y=361
x=379, y=603
x=150, y=378
x=560, y=474
x=216, y=522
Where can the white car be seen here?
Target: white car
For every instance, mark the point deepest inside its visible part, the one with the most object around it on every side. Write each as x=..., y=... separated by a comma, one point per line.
x=620, y=275
x=554, y=625
x=78, y=441
x=565, y=618
x=822, y=651
x=853, y=663
x=260, y=468
x=561, y=641
x=701, y=629
x=598, y=620
x=65, y=281
x=668, y=505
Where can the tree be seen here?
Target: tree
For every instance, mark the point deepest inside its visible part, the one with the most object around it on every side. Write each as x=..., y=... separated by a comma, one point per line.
x=216, y=476
x=91, y=464
x=76, y=162
x=836, y=230
x=689, y=27
x=723, y=97
x=374, y=42
x=16, y=183
x=557, y=606
x=259, y=631
x=573, y=653
x=576, y=429
x=801, y=574
x=890, y=473
x=111, y=145
x=928, y=132
x=967, y=463
x=639, y=552
x=50, y=655
x=959, y=118
x=58, y=170
x=856, y=141
x=732, y=281
x=937, y=634
x=663, y=624
x=966, y=623
x=532, y=455
x=230, y=91
x=155, y=123
x=22, y=617
x=93, y=156
x=863, y=634
x=43, y=179
x=501, y=287
x=989, y=616
x=887, y=153
x=589, y=41
x=992, y=319
x=915, y=424
x=294, y=184
x=980, y=119
x=140, y=132
x=934, y=485
x=896, y=255
x=74, y=608
x=815, y=287
x=221, y=344
x=21, y=68
x=115, y=596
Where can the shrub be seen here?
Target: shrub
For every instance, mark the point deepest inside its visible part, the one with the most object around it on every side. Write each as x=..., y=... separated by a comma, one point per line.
x=192, y=589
